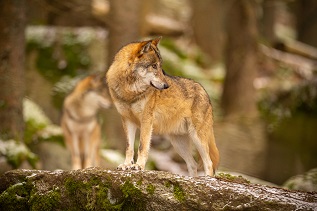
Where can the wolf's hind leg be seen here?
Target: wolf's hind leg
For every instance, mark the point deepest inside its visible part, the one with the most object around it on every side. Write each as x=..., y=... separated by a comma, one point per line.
x=182, y=146
x=91, y=150
x=201, y=144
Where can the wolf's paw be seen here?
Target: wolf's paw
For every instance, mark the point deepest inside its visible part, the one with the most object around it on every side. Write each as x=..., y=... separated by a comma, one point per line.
x=136, y=167
x=124, y=167
x=129, y=167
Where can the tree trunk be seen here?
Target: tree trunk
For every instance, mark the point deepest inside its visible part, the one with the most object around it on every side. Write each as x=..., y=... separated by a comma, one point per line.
x=208, y=28
x=12, y=43
x=124, y=28
x=97, y=189
x=124, y=24
x=306, y=18
x=268, y=21
x=238, y=98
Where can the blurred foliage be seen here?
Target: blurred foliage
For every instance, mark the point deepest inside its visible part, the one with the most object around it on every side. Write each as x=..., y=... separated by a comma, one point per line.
x=58, y=53
x=31, y=129
x=38, y=127
x=291, y=118
x=170, y=45
x=182, y=61
x=62, y=88
x=36, y=132
x=299, y=100
x=16, y=153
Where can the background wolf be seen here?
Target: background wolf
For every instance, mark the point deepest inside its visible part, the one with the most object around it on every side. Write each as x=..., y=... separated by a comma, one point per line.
x=79, y=122
x=149, y=99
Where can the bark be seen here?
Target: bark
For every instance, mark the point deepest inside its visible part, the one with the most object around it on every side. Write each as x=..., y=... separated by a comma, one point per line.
x=97, y=189
x=12, y=42
x=124, y=28
x=74, y=13
x=124, y=25
x=207, y=23
x=238, y=98
x=269, y=19
x=306, y=21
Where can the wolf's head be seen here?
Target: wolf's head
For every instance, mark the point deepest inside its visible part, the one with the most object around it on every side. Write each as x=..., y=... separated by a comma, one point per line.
x=98, y=90
x=141, y=64
x=148, y=64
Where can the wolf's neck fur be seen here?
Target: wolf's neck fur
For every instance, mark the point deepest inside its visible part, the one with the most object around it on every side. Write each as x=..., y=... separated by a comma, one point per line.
x=127, y=87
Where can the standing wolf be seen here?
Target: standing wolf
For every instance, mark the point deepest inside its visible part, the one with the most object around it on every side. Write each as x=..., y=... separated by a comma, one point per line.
x=149, y=99
x=79, y=121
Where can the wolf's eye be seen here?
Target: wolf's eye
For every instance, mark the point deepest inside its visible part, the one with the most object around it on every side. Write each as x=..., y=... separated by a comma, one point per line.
x=154, y=66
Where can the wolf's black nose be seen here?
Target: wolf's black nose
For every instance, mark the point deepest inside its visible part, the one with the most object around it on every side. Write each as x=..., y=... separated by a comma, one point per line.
x=166, y=86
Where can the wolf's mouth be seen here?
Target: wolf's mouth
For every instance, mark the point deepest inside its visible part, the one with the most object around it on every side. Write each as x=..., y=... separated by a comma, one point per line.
x=153, y=85
x=165, y=86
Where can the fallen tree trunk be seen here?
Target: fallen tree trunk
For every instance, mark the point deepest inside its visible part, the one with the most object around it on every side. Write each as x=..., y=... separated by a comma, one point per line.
x=97, y=189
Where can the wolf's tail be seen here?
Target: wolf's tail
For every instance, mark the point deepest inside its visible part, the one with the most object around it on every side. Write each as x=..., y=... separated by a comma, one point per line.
x=213, y=152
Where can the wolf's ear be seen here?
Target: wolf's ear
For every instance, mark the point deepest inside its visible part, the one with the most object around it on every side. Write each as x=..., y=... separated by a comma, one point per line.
x=157, y=40
x=145, y=47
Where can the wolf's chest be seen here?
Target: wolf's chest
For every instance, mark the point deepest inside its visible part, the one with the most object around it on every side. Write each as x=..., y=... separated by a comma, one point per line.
x=133, y=110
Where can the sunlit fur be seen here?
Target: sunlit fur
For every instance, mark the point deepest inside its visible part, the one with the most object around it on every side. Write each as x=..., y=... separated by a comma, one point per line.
x=156, y=103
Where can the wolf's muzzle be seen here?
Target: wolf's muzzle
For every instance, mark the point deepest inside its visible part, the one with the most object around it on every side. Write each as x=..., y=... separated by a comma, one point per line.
x=159, y=86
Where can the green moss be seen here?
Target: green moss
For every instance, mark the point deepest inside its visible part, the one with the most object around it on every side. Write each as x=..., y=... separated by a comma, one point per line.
x=82, y=189
x=232, y=178
x=104, y=201
x=128, y=189
x=168, y=184
x=16, y=197
x=50, y=200
x=132, y=197
x=150, y=189
x=178, y=193
x=177, y=190
x=139, y=182
x=94, y=194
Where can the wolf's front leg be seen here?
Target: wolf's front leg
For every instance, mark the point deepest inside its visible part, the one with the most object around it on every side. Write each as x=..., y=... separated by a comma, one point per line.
x=129, y=129
x=145, y=142
x=76, y=160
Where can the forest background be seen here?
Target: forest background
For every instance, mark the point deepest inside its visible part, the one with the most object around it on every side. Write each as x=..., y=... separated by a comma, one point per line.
x=256, y=59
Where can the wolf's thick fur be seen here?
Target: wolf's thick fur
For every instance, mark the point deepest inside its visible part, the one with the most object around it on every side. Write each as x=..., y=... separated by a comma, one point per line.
x=79, y=121
x=149, y=99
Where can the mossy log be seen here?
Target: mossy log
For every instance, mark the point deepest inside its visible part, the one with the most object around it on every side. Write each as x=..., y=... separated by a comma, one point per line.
x=98, y=189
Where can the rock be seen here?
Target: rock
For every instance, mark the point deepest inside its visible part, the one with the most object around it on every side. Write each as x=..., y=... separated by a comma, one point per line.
x=52, y=155
x=98, y=189
x=304, y=182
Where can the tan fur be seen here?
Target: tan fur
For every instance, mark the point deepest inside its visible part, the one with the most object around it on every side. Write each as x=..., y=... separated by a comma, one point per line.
x=79, y=121
x=157, y=103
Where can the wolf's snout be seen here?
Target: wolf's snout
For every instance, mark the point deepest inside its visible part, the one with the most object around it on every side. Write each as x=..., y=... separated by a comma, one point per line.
x=159, y=85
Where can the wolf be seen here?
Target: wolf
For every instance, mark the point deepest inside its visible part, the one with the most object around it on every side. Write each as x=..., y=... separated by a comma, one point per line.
x=79, y=120
x=149, y=99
